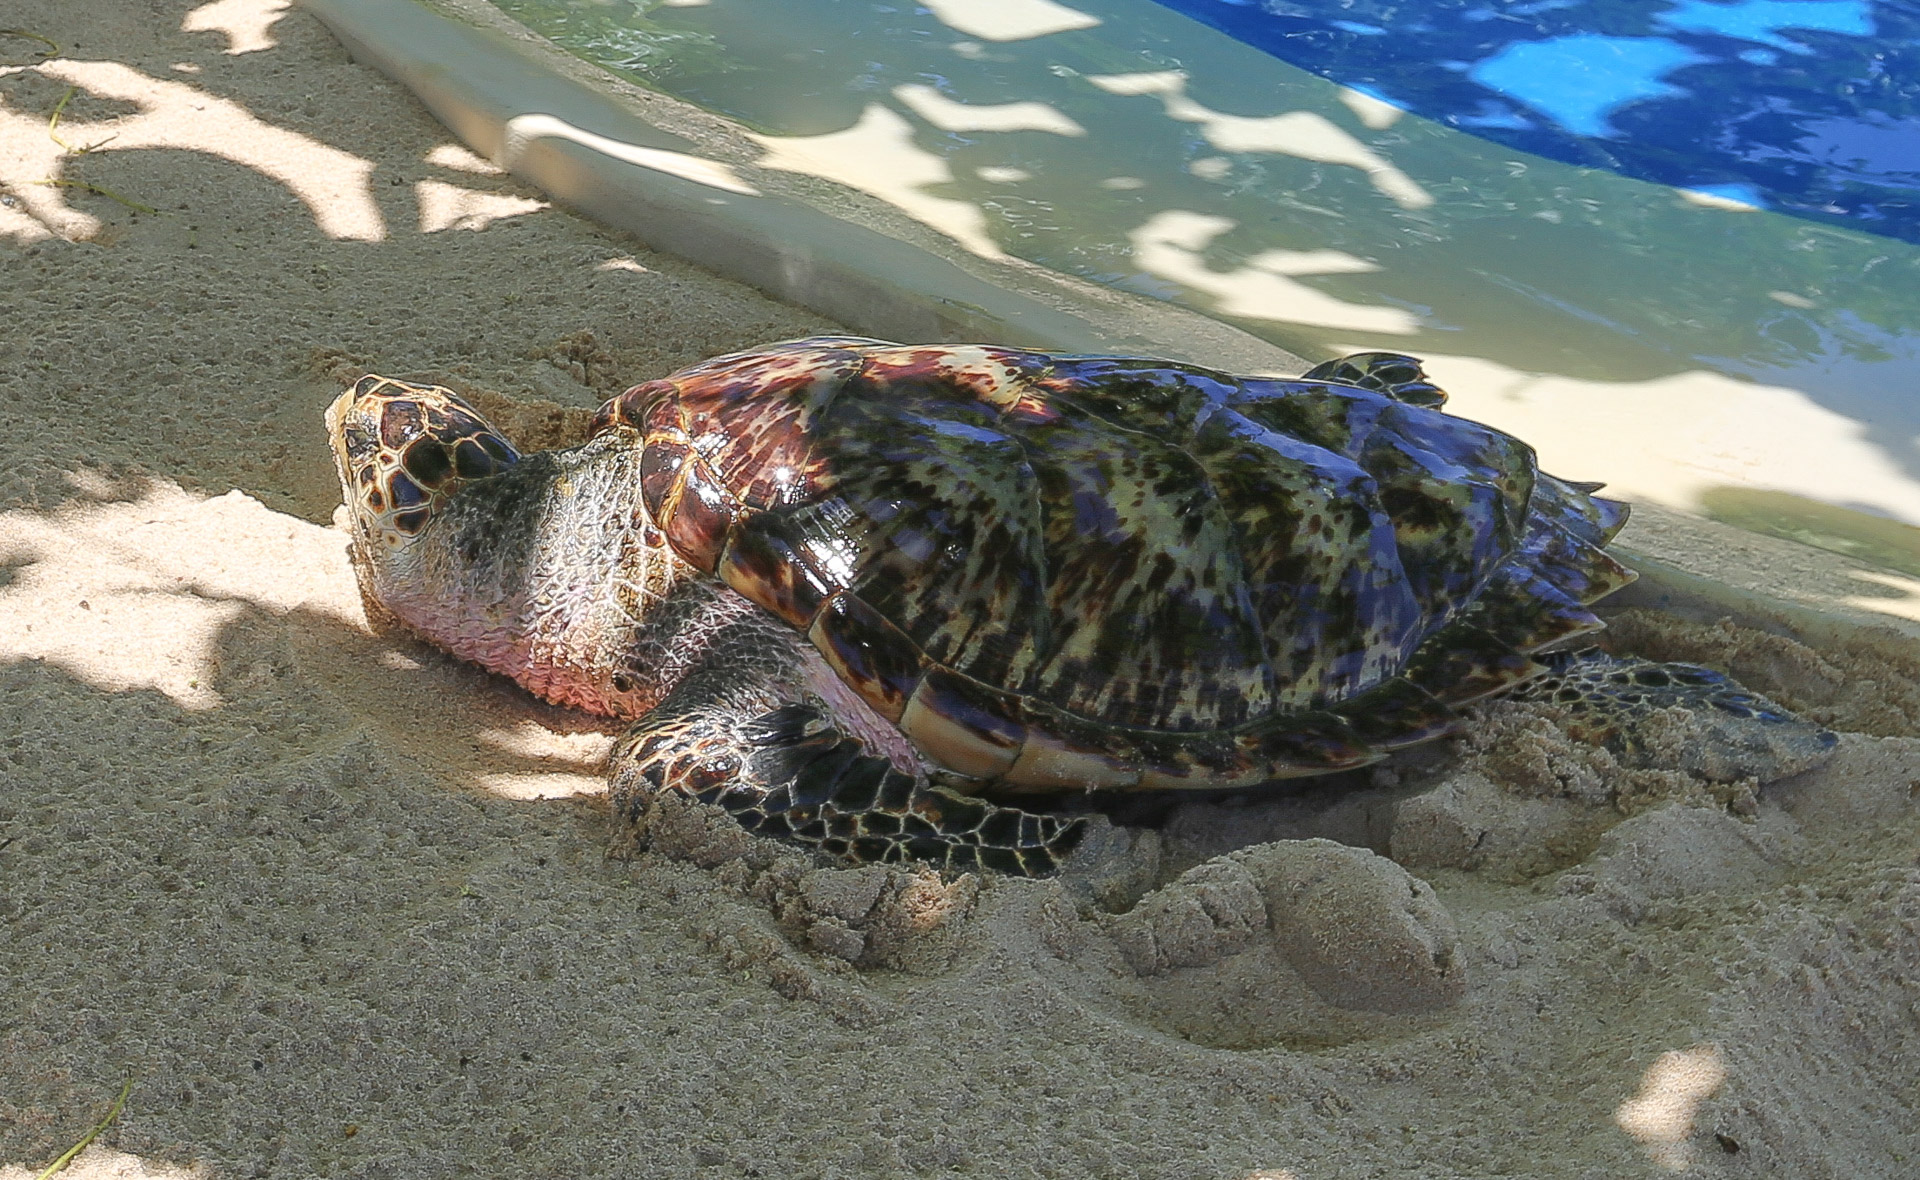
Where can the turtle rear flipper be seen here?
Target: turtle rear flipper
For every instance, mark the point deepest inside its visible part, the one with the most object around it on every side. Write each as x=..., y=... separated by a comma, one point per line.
x=792, y=773
x=1733, y=732
x=1395, y=374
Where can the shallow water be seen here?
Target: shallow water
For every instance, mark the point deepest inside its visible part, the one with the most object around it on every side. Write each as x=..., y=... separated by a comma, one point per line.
x=1690, y=348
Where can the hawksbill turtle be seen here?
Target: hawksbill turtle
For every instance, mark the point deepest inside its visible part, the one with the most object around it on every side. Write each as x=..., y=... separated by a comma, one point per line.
x=873, y=597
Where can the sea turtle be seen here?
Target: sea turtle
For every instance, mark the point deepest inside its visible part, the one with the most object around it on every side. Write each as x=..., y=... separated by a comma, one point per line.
x=865, y=595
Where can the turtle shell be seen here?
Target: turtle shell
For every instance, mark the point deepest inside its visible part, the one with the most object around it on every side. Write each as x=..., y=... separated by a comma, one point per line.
x=1092, y=572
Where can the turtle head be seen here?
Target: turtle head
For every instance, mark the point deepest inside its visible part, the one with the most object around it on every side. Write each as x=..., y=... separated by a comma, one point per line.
x=402, y=451
x=541, y=568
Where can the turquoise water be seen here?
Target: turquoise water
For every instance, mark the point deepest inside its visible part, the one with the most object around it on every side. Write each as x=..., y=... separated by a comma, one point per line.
x=1690, y=348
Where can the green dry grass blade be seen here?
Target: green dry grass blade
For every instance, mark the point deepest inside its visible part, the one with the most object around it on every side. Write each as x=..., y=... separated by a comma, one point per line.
x=113, y=1112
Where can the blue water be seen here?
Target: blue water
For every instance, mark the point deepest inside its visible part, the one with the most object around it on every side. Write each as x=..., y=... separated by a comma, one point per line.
x=1807, y=107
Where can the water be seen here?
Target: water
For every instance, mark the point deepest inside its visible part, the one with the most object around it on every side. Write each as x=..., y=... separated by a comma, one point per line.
x=1700, y=348
x=1811, y=107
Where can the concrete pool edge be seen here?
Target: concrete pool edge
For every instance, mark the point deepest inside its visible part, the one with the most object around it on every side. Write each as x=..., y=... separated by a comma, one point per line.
x=1704, y=570
x=879, y=272
x=550, y=119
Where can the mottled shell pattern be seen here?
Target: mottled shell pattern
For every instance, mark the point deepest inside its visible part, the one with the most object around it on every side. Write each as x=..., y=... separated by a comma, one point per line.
x=1079, y=572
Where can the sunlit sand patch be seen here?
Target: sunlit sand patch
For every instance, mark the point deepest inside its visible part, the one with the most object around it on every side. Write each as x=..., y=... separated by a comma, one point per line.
x=448, y=206
x=398, y=661
x=99, y=1162
x=30, y=209
x=459, y=159
x=1716, y=201
x=247, y=24
x=1008, y=20
x=576, y=760
x=1670, y=439
x=522, y=130
x=948, y=115
x=1660, y=1116
x=1376, y=113
x=15, y=221
x=136, y=594
x=332, y=184
x=1894, y=595
x=1171, y=246
x=877, y=155
x=1303, y=135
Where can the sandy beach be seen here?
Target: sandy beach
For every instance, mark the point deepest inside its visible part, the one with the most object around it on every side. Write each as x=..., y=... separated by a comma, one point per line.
x=340, y=906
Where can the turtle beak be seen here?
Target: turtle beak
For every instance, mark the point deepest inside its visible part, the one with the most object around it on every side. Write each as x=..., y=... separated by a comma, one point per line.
x=353, y=428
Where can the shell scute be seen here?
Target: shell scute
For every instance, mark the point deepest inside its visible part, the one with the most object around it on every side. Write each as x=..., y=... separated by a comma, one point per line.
x=874, y=657
x=697, y=511
x=1002, y=378
x=964, y=725
x=1049, y=763
x=753, y=420
x=1316, y=741
x=1457, y=493
x=764, y=563
x=633, y=409
x=1321, y=571
x=1397, y=713
x=660, y=465
x=1150, y=622
x=1466, y=662
x=1144, y=395
x=940, y=530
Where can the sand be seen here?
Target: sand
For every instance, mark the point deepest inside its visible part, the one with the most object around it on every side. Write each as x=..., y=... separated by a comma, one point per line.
x=339, y=906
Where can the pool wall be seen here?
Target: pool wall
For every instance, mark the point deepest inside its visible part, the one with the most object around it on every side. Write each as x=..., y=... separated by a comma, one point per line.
x=684, y=182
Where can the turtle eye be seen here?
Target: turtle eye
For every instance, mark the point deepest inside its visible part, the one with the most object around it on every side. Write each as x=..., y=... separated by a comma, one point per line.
x=428, y=462
x=472, y=459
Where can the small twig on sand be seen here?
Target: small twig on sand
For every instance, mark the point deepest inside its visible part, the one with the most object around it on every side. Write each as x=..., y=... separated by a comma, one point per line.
x=52, y=47
x=100, y=190
x=54, y=122
x=113, y=1112
x=53, y=133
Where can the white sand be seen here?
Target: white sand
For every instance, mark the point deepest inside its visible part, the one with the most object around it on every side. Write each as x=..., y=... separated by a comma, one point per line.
x=311, y=889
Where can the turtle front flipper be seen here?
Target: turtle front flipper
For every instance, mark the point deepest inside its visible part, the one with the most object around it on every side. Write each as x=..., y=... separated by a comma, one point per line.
x=791, y=772
x=1395, y=374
